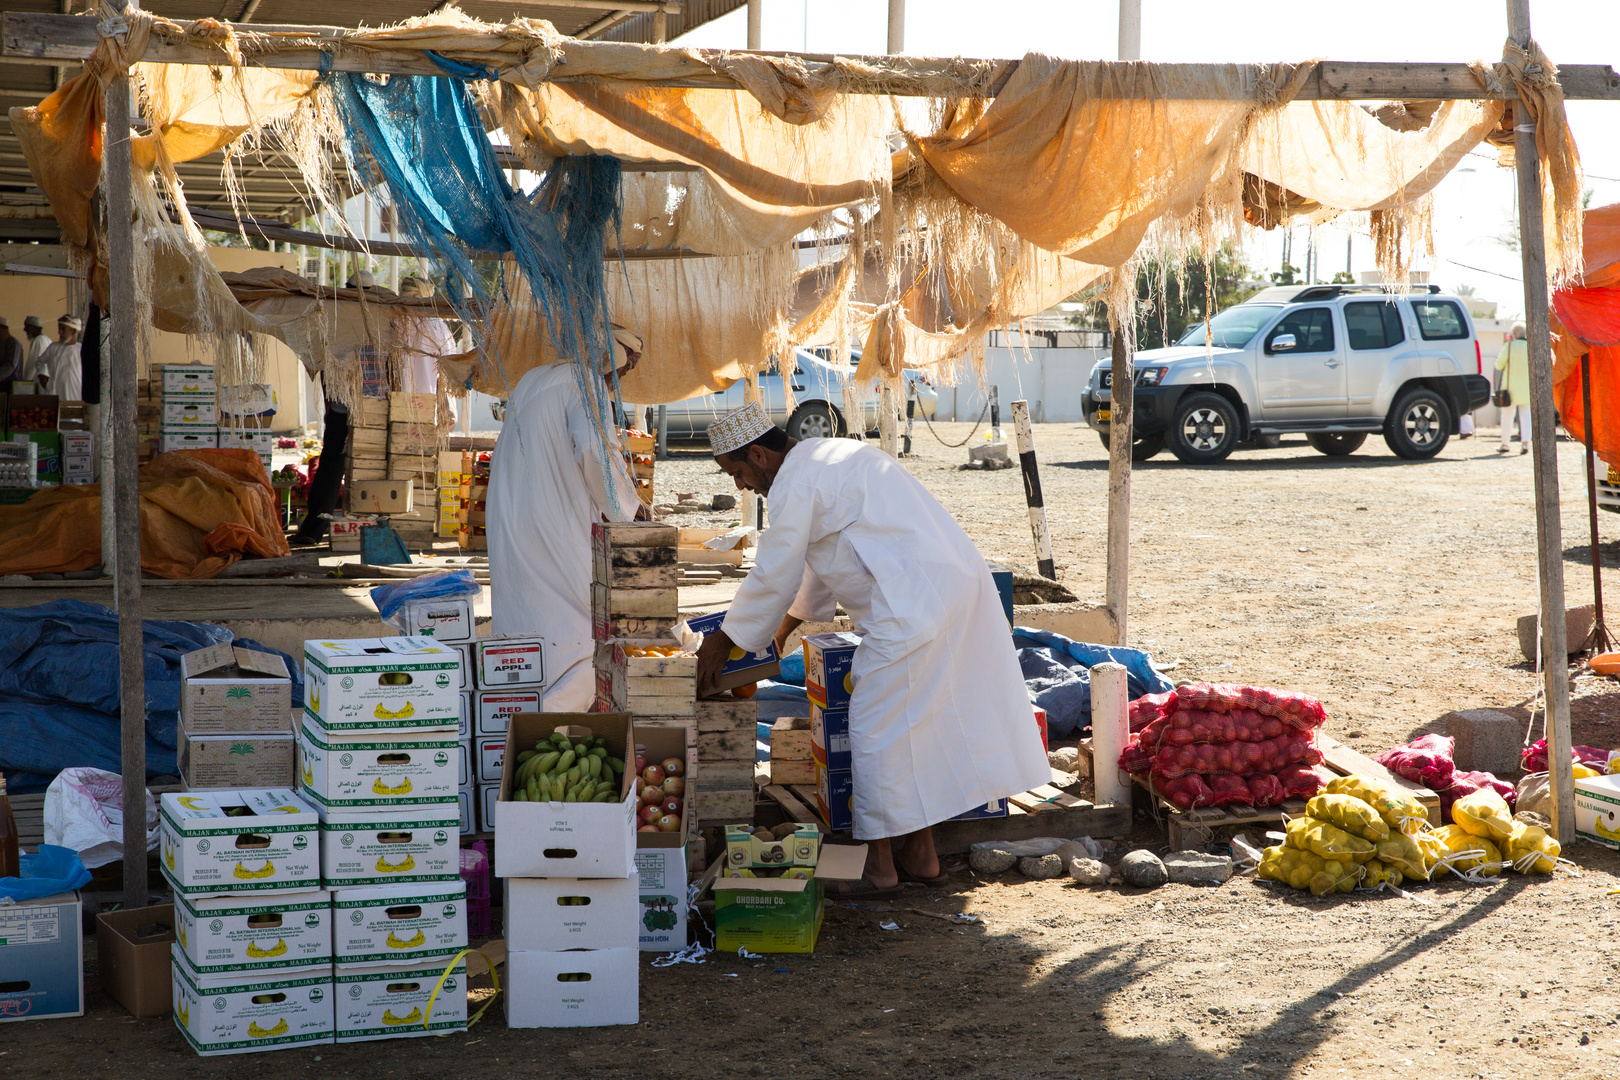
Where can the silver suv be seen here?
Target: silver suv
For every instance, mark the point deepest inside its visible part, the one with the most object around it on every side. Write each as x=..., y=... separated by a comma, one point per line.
x=1334, y=362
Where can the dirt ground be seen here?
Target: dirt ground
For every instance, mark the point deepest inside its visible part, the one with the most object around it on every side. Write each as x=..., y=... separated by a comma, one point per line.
x=1389, y=589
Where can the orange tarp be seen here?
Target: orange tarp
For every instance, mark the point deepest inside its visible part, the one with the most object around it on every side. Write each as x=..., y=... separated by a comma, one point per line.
x=1587, y=320
x=201, y=511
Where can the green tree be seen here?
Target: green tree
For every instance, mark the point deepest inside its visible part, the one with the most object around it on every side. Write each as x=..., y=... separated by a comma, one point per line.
x=1175, y=295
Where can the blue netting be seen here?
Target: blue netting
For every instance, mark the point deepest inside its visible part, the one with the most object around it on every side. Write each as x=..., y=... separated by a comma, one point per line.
x=422, y=138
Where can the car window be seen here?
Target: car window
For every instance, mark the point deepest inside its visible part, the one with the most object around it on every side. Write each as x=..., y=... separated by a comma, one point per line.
x=1312, y=329
x=1439, y=320
x=1232, y=328
x=1373, y=325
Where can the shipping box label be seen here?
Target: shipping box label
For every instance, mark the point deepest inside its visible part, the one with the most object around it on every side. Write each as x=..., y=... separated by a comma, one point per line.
x=378, y=770
x=382, y=849
x=382, y=683
x=392, y=925
x=231, y=934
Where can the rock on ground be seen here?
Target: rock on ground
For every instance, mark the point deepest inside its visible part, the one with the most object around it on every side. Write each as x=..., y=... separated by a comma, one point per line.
x=1041, y=867
x=991, y=860
x=1089, y=871
x=1064, y=758
x=1143, y=870
x=1189, y=866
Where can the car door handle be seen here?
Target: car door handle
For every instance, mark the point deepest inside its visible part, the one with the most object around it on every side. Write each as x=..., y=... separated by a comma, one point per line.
x=1335, y=362
x=798, y=387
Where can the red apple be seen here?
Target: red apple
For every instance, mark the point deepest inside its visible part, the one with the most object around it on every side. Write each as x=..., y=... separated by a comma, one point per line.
x=653, y=774
x=674, y=785
x=650, y=813
x=649, y=828
x=674, y=767
x=640, y=783
x=669, y=823
x=641, y=763
x=652, y=796
x=672, y=805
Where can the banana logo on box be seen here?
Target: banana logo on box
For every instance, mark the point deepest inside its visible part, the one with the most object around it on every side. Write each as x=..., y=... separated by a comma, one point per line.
x=264, y=1033
x=189, y=802
x=309, y=775
x=168, y=854
x=278, y=949
x=415, y=1017
x=404, y=712
x=849, y=682
x=184, y=1013
x=396, y=943
x=244, y=874
x=379, y=788
x=386, y=867
x=315, y=698
x=181, y=933
x=1603, y=830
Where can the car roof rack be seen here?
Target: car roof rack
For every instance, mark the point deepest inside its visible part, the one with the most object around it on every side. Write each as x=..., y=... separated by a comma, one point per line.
x=1328, y=292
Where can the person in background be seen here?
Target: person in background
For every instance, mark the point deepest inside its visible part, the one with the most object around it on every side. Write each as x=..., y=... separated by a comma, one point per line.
x=426, y=338
x=60, y=371
x=12, y=355
x=552, y=476
x=1514, y=364
x=939, y=718
x=327, y=485
x=34, y=330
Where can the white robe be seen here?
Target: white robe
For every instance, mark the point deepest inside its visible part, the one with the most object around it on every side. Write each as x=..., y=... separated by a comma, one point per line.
x=422, y=342
x=60, y=365
x=939, y=721
x=547, y=485
x=36, y=347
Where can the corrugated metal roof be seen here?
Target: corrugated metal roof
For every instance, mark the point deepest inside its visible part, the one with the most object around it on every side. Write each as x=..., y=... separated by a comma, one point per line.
x=269, y=184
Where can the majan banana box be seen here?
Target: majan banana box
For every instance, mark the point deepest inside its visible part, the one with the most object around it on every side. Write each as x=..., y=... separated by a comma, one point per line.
x=252, y=1011
x=389, y=1003
x=217, y=843
x=368, y=684
x=399, y=925
x=378, y=770
x=409, y=845
x=230, y=934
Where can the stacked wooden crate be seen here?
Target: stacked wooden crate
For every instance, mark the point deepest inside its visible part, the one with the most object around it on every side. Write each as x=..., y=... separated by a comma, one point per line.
x=633, y=596
x=413, y=449
x=470, y=502
x=639, y=451
x=148, y=416
x=792, y=760
x=368, y=440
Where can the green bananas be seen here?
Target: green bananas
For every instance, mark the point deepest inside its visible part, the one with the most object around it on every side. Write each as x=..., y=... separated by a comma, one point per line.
x=560, y=770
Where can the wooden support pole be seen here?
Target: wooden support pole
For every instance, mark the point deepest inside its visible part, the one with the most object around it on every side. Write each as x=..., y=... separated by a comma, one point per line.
x=897, y=26
x=1544, y=448
x=1122, y=382
x=1130, y=29
x=124, y=357
x=1025, y=435
x=755, y=18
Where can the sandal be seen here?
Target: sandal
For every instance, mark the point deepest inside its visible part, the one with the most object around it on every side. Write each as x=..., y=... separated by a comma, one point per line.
x=870, y=892
x=938, y=881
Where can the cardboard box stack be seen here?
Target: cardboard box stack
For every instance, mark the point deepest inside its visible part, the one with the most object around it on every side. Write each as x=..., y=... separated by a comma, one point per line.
x=252, y=956
x=572, y=894
x=768, y=895
x=190, y=407
x=236, y=720
x=449, y=498
x=33, y=418
x=148, y=415
x=381, y=760
x=474, y=490
x=503, y=677
x=245, y=415
x=661, y=854
x=78, y=457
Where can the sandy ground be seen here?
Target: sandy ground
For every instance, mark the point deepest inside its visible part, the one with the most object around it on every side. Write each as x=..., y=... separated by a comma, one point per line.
x=1386, y=588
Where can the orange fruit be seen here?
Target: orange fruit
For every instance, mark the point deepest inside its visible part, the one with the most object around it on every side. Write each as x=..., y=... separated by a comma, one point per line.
x=746, y=691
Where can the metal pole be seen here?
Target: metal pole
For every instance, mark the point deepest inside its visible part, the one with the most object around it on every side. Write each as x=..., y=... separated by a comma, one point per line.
x=124, y=356
x=897, y=26
x=1598, y=640
x=1549, y=538
x=1120, y=394
x=995, y=414
x=911, y=414
x=663, y=433
x=1032, y=489
x=1130, y=29
x=754, y=18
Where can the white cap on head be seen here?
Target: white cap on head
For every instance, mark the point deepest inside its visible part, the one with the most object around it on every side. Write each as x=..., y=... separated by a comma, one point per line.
x=738, y=428
x=70, y=322
x=630, y=341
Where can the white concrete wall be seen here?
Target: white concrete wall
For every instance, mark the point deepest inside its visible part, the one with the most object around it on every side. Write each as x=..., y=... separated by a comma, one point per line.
x=1053, y=381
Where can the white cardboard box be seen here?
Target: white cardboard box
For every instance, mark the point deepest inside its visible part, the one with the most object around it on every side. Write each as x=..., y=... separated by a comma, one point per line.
x=417, y=844
x=180, y=379
x=609, y=994
x=274, y=847
x=552, y=914
x=42, y=958
x=510, y=661
x=396, y=496
x=345, y=534
x=225, y=688
x=78, y=444
x=1597, y=809
x=390, y=1003
x=199, y=412
x=488, y=795
x=377, y=770
x=178, y=438
x=547, y=839
x=260, y=440
x=490, y=752
x=465, y=649
x=464, y=771
x=251, y=1011
x=494, y=709
x=236, y=934
x=464, y=728
x=469, y=815
x=372, y=683
x=399, y=925
x=449, y=619
x=661, y=916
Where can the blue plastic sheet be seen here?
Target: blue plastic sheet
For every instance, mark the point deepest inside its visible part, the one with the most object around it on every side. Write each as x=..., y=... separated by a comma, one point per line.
x=59, y=695
x=53, y=870
x=390, y=598
x=1057, y=672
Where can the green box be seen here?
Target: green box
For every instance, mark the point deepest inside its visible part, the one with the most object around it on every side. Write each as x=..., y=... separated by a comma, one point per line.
x=780, y=915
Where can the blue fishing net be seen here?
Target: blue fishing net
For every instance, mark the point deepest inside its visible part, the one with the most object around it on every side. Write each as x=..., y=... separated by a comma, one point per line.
x=421, y=137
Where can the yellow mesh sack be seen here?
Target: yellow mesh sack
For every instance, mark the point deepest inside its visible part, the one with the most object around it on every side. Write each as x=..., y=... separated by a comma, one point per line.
x=1293, y=867
x=1328, y=841
x=1404, y=854
x=1336, y=875
x=1399, y=809
x=1350, y=814
x=1531, y=851
x=1376, y=872
x=1466, y=852
x=1484, y=813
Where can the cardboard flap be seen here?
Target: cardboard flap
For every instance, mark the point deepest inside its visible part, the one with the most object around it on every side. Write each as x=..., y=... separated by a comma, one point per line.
x=841, y=862
x=193, y=664
x=262, y=663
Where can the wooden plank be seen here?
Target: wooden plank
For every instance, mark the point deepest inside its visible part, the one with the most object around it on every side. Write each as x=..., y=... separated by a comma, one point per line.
x=793, y=807
x=1345, y=761
x=723, y=775
x=617, y=602
x=702, y=556
x=660, y=705
x=734, y=745
x=790, y=744
x=791, y=772
x=666, y=576
x=628, y=558
x=661, y=685
x=640, y=534
x=638, y=666
x=956, y=837
x=727, y=806
x=728, y=713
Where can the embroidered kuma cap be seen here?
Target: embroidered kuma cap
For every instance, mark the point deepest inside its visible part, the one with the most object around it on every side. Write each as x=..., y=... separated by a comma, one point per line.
x=738, y=428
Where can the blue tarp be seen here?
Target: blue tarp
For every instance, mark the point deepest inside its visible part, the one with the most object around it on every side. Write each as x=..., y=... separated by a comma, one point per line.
x=59, y=689
x=1057, y=673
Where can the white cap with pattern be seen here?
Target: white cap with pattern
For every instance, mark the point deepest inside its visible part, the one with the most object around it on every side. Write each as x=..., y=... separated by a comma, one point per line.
x=738, y=428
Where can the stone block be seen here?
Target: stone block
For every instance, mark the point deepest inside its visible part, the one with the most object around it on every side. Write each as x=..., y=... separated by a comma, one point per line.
x=1577, y=624
x=1187, y=867
x=1487, y=740
x=1142, y=869
x=1041, y=867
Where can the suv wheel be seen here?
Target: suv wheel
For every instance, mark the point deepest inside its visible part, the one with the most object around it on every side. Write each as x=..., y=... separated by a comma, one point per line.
x=1419, y=426
x=814, y=420
x=1205, y=429
x=1142, y=448
x=1336, y=445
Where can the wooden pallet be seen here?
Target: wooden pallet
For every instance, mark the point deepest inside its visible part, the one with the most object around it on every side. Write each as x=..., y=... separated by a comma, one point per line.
x=1196, y=828
x=29, y=810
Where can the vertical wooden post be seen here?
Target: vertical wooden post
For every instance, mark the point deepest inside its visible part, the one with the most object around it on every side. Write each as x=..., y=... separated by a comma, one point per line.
x=755, y=17
x=123, y=359
x=1121, y=396
x=1110, y=730
x=1130, y=29
x=897, y=26
x=660, y=26
x=1544, y=447
x=1032, y=489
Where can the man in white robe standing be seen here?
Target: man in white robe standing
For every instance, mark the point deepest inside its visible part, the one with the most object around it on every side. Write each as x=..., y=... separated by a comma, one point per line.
x=939, y=719
x=551, y=477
